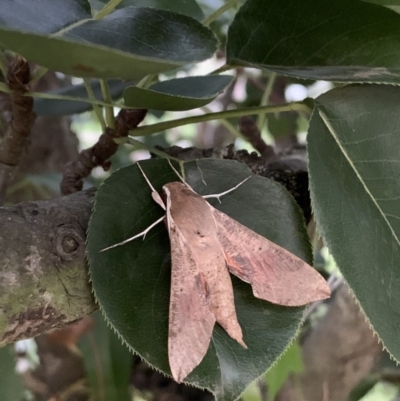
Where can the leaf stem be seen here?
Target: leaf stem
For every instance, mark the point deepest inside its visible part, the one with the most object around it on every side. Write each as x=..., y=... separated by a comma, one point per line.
x=265, y=99
x=146, y=81
x=105, y=89
x=96, y=107
x=232, y=129
x=217, y=13
x=141, y=145
x=228, y=125
x=73, y=98
x=223, y=68
x=153, y=128
x=37, y=74
x=107, y=9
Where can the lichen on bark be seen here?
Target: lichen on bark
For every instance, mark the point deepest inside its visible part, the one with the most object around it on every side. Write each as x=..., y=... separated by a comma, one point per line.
x=43, y=274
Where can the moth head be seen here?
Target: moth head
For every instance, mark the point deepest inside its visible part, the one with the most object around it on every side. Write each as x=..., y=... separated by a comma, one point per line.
x=176, y=195
x=176, y=188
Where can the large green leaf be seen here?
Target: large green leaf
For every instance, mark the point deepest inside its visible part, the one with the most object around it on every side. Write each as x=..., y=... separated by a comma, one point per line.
x=177, y=94
x=132, y=282
x=187, y=7
x=42, y=16
x=354, y=161
x=337, y=40
x=129, y=43
x=10, y=383
x=107, y=362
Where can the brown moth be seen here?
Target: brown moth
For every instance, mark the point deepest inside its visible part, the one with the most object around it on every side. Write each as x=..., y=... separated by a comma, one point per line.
x=206, y=245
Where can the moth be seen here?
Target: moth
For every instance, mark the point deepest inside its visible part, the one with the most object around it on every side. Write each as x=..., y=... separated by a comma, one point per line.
x=207, y=245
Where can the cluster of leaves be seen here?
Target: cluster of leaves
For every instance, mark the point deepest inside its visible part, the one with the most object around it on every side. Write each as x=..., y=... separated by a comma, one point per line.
x=352, y=148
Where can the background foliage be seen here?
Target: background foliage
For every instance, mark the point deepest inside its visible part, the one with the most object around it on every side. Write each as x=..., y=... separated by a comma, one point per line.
x=140, y=54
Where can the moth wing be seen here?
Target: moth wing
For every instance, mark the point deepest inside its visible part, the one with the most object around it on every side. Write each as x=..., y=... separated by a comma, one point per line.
x=191, y=322
x=275, y=274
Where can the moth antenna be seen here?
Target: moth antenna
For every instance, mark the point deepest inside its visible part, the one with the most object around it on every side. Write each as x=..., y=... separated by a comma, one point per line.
x=155, y=195
x=142, y=234
x=177, y=173
x=145, y=177
x=226, y=192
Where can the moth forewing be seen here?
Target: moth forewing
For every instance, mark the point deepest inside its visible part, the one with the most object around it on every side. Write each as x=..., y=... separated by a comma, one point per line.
x=189, y=213
x=275, y=274
x=191, y=322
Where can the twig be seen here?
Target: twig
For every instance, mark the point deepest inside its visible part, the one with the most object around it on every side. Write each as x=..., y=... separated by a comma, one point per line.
x=96, y=108
x=105, y=89
x=217, y=13
x=107, y=9
x=142, y=145
x=251, y=132
x=158, y=127
x=22, y=119
x=98, y=155
x=265, y=99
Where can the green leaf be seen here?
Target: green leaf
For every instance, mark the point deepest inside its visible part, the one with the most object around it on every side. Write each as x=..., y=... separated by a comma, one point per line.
x=291, y=362
x=177, y=94
x=107, y=362
x=42, y=16
x=132, y=282
x=10, y=382
x=130, y=43
x=337, y=40
x=186, y=7
x=52, y=107
x=354, y=166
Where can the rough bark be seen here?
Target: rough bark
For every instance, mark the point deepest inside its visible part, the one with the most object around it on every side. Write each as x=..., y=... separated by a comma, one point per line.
x=98, y=155
x=19, y=128
x=51, y=144
x=337, y=354
x=43, y=276
x=30, y=303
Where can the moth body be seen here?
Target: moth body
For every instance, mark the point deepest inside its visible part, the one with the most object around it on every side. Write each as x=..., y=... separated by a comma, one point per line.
x=192, y=228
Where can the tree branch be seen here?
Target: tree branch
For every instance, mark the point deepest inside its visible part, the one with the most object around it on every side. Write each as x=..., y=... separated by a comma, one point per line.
x=22, y=121
x=249, y=129
x=43, y=275
x=98, y=154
